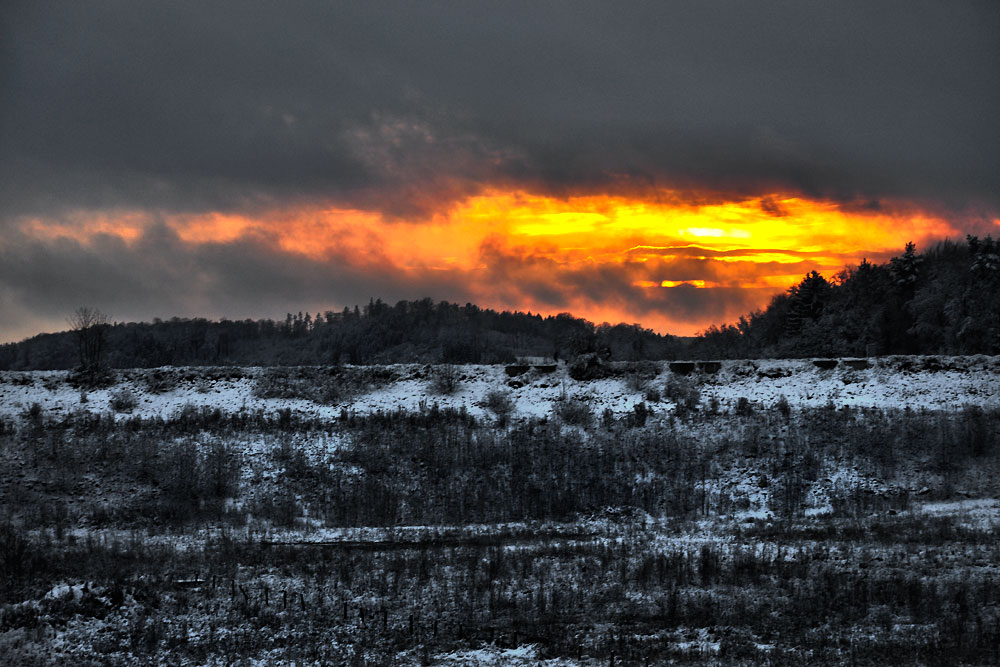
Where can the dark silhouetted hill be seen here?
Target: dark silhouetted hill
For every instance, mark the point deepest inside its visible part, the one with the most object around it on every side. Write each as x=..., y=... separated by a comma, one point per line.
x=410, y=331
x=943, y=301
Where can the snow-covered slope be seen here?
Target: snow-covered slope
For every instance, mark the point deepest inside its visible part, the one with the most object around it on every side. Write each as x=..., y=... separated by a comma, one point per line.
x=916, y=382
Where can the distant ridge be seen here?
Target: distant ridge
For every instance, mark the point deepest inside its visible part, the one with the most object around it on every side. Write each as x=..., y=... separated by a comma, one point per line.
x=410, y=331
x=943, y=301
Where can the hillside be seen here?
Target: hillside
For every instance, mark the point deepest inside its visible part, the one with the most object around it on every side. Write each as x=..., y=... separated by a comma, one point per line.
x=931, y=383
x=608, y=512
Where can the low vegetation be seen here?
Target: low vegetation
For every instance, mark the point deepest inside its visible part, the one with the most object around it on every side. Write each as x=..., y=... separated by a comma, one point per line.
x=761, y=535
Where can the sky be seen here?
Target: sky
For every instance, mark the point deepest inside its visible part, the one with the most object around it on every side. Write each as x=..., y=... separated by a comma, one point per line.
x=673, y=164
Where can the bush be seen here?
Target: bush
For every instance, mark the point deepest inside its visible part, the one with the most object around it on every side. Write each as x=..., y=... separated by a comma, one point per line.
x=123, y=400
x=744, y=408
x=298, y=383
x=93, y=378
x=444, y=380
x=575, y=412
x=588, y=367
x=783, y=407
x=638, y=375
x=161, y=381
x=278, y=505
x=322, y=384
x=193, y=477
x=499, y=403
x=683, y=393
x=788, y=495
x=640, y=413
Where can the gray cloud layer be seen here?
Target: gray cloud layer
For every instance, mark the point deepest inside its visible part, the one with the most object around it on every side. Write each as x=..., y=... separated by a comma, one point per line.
x=194, y=104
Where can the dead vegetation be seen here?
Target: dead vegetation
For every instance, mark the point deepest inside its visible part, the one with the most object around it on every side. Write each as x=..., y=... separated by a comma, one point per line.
x=765, y=534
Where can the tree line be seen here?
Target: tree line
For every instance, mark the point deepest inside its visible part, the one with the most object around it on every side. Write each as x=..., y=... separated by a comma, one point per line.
x=945, y=300
x=410, y=331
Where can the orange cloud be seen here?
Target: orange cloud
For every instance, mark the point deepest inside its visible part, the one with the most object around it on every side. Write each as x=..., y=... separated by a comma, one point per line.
x=670, y=262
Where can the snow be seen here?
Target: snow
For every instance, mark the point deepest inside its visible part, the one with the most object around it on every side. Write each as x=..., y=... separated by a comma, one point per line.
x=891, y=382
x=66, y=592
x=521, y=655
x=981, y=513
x=972, y=505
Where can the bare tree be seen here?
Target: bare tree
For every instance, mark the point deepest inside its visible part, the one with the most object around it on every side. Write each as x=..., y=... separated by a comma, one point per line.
x=88, y=326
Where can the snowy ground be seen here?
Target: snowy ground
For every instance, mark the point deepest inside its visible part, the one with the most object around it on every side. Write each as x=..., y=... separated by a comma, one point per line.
x=551, y=555
x=915, y=382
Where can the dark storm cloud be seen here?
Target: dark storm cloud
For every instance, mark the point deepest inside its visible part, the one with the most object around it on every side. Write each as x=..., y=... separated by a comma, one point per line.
x=158, y=275
x=195, y=105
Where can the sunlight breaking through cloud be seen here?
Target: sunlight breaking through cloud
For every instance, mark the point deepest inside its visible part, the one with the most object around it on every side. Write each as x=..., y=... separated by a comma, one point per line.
x=673, y=262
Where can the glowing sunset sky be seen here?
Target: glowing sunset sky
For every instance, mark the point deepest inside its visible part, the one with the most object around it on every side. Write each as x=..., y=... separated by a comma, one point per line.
x=672, y=164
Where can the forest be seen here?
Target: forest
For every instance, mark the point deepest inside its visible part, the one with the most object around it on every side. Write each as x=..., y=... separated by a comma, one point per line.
x=411, y=331
x=942, y=301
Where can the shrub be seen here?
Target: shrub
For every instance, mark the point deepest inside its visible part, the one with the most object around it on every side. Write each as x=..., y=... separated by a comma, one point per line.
x=976, y=430
x=278, y=505
x=123, y=400
x=161, y=381
x=499, y=403
x=683, y=393
x=640, y=413
x=783, y=407
x=788, y=495
x=444, y=380
x=638, y=375
x=588, y=367
x=744, y=408
x=94, y=378
x=575, y=412
x=324, y=384
x=300, y=383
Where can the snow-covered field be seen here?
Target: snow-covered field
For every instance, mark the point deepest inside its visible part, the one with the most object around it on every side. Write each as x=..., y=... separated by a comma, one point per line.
x=744, y=530
x=891, y=382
